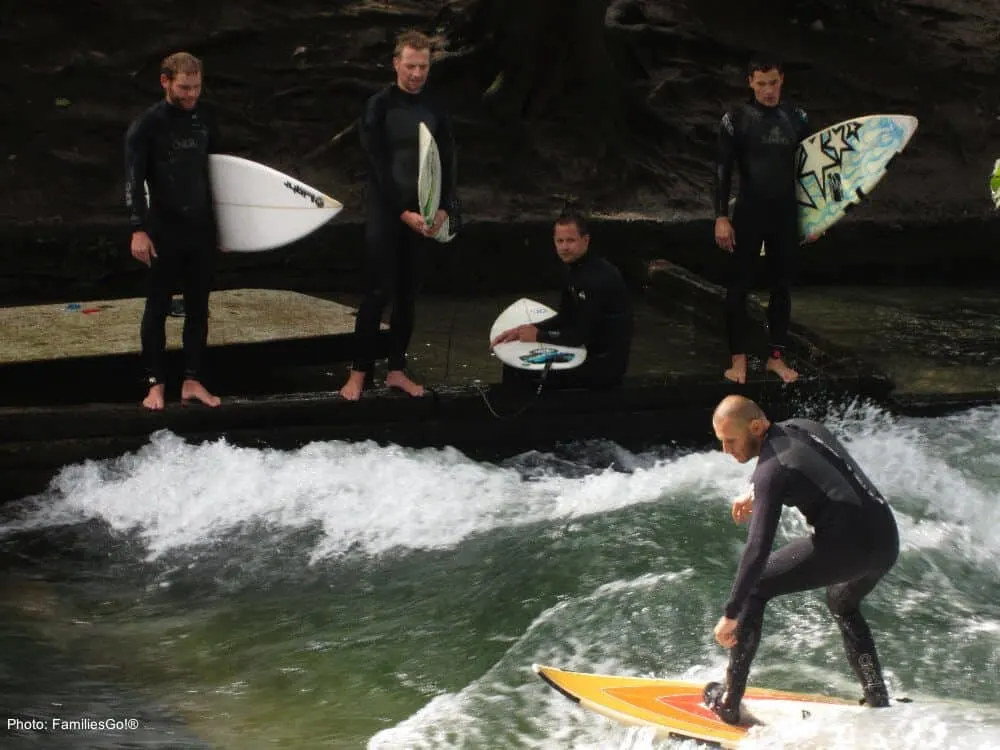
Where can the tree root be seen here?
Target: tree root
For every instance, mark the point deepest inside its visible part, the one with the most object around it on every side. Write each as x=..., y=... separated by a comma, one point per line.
x=332, y=142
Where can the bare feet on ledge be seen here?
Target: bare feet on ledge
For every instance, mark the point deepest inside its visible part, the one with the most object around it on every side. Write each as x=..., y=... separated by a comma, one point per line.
x=783, y=371
x=738, y=372
x=193, y=390
x=351, y=390
x=155, y=399
x=398, y=379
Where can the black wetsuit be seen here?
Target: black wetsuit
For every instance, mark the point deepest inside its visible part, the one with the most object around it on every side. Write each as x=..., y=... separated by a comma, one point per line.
x=854, y=544
x=168, y=147
x=389, y=136
x=762, y=141
x=595, y=312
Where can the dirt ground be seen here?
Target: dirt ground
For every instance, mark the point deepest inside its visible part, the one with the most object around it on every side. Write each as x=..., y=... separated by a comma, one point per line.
x=289, y=77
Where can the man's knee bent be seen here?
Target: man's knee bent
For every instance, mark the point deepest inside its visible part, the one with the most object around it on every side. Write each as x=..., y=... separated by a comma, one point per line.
x=843, y=599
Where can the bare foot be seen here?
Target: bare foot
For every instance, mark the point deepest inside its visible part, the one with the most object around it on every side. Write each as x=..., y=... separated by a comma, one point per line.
x=398, y=379
x=192, y=390
x=351, y=390
x=738, y=372
x=154, y=399
x=783, y=371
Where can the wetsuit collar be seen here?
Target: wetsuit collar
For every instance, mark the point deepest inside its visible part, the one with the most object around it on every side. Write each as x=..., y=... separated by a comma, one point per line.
x=407, y=94
x=763, y=107
x=581, y=260
x=174, y=109
x=768, y=433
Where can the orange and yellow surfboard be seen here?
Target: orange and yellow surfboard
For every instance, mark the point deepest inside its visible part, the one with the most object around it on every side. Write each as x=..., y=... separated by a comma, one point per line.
x=675, y=708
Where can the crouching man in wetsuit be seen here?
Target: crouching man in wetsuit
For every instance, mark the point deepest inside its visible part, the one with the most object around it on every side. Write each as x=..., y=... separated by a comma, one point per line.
x=395, y=229
x=595, y=312
x=175, y=233
x=853, y=545
x=761, y=136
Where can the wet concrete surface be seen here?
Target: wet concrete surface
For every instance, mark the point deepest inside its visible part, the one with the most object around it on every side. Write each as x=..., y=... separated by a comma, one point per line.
x=94, y=328
x=928, y=339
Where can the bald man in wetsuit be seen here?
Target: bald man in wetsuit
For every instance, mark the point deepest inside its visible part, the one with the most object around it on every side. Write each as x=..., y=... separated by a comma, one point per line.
x=854, y=542
x=175, y=233
x=395, y=229
x=760, y=137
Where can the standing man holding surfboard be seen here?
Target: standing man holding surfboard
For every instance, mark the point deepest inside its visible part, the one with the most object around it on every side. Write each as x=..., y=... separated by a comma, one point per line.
x=175, y=233
x=761, y=136
x=395, y=229
x=854, y=543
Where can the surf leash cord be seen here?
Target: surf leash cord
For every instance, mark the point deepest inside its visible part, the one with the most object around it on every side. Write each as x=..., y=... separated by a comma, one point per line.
x=528, y=405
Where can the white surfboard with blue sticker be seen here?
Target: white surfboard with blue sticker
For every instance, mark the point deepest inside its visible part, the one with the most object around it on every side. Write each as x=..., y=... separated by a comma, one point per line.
x=531, y=355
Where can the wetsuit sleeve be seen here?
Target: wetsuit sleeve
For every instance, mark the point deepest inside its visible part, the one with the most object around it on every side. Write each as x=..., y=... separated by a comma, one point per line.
x=725, y=158
x=768, y=493
x=550, y=326
x=376, y=145
x=578, y=331
x=446, y=150
x=136, y=167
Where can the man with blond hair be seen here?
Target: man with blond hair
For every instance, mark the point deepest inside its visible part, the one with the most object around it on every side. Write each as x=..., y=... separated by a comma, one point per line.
x=174, y=232
x=853, y=545
x=395, y=230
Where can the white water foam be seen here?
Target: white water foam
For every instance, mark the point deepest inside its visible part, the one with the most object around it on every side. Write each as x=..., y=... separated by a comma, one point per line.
x=942, y=499
x=362, y=495
x=375, y=499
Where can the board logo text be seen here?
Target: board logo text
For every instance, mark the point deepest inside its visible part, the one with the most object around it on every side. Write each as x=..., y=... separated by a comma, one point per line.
x=299, y=190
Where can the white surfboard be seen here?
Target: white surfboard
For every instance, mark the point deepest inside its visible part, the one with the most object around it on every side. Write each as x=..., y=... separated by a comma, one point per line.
x=837, y=167
x=429, y=182
x=259, y=208
x=527, y=355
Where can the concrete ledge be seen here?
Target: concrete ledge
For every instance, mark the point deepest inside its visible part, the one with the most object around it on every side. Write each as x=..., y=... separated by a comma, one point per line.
x=674, y=288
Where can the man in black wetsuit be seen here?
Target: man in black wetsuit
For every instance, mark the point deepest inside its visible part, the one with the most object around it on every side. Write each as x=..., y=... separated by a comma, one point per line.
x=761, y=136
x=395, y=229
x=167, y=146
x=854, y=542
x=595, y=312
